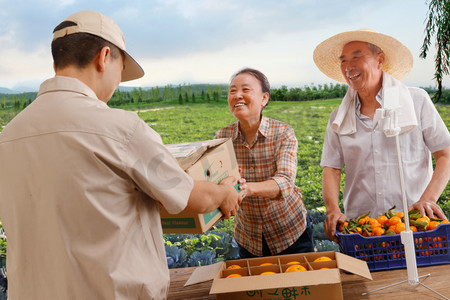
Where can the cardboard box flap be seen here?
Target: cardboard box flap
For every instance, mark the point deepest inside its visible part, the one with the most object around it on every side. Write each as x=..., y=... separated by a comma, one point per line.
x=353, y=265
x=187, y=154
x=249, y=283
x=205, y=273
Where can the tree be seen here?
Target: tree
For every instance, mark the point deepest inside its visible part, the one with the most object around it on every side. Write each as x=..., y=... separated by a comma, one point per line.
x=438, y=25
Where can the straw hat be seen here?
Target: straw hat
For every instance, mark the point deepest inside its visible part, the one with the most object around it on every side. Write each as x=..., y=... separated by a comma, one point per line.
x=398, y=58
x=102, y=26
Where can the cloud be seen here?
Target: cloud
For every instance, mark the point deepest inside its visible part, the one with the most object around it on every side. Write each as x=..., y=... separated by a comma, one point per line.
x=207, y=40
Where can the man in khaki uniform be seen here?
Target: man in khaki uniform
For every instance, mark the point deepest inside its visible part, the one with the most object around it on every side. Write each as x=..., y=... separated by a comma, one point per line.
x=80, y=182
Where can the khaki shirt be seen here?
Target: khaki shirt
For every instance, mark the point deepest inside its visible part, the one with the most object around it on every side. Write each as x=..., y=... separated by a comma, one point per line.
x=79, y=190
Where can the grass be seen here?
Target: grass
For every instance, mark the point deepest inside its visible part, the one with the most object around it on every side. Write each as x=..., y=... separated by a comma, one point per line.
x=193, y=122
x=200, y=121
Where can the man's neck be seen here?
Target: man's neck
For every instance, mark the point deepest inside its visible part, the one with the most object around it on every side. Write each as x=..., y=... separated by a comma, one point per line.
x=84, y=75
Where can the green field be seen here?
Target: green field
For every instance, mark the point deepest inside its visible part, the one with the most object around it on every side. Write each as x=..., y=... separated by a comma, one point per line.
x=193, y=122
x=199, y=121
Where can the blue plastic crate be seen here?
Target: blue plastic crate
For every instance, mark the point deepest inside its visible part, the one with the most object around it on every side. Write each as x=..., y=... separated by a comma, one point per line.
x=387, y=251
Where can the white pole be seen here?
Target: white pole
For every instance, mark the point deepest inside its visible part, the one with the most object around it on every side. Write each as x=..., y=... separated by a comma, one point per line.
x=407, y=235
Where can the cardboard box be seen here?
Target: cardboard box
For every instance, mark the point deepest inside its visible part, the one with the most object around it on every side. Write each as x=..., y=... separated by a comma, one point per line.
x=211, y=160
x=315, y=283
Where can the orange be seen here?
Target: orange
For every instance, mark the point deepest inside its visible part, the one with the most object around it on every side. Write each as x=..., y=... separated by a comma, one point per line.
x=341, y=227
x=426, y=217
x=266, y=264
x=267, y=273
x=444, y=221
x=432, y=225
x=374, y=223
x=364, y=220
x=234, y=275
x=377, y=231
x=322, y=258
x=413, y=228
x=394, y=220
x=295, y=268
x=400, y=214
x=234, y=267
x=323, y=268
x=399, y=227
x=293, y=263
x=382, y=219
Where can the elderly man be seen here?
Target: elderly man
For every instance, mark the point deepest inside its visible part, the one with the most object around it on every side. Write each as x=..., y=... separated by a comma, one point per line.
x=80, y=182
x=371, y=64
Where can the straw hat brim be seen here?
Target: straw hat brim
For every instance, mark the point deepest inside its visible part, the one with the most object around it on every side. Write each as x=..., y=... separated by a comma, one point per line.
x=398, y=58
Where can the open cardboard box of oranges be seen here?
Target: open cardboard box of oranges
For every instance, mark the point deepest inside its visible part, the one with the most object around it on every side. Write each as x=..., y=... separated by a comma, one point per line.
x=314, y=275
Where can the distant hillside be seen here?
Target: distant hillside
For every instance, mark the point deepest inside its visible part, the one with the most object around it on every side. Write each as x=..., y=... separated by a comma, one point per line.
x=5, y=91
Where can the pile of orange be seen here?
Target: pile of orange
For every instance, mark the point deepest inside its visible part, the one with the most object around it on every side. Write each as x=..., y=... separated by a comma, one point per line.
x=294, y=266
x=392, y=222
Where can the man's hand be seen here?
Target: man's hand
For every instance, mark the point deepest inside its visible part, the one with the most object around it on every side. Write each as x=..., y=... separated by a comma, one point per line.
x=333, y=218
x=428, y=208
x=232, y=198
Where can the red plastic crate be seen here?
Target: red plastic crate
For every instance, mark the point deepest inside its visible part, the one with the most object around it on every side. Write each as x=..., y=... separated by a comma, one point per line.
x=387, y=252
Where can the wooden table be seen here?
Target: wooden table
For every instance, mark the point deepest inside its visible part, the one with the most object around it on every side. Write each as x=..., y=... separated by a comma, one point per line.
x=353, y=285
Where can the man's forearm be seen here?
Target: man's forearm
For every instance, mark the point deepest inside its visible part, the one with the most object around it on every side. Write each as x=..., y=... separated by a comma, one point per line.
x=441, y=176
x=331, y=179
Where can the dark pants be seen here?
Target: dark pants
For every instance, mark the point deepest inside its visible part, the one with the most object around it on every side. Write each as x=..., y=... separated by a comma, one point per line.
x=303, y=244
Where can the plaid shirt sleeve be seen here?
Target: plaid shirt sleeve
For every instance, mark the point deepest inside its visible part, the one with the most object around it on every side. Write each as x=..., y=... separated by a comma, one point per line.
x=287, y=163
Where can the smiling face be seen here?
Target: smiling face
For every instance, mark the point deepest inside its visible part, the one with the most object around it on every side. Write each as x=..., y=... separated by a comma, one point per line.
x=246, y=98
x=361, y=67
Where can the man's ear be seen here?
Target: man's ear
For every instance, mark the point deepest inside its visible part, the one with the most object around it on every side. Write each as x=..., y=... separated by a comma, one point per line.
x=265, y=99
x=381, y=60
x=102, y=56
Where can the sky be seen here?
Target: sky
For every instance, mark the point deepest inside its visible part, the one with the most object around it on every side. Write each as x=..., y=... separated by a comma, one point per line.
x=206, y=41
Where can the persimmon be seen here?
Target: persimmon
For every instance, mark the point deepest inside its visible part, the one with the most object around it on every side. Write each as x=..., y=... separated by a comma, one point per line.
x=266, y=264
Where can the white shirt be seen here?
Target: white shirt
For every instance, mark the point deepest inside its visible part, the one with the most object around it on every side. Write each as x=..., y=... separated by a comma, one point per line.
x=372, y=181
x=79, y=185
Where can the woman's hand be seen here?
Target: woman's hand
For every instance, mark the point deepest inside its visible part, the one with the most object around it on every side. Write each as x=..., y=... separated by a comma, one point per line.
x=243, y=186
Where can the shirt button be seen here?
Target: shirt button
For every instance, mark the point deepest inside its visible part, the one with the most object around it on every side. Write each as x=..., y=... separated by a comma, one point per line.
x=378, y=172
x=379, y=193
x=376, y=150
x=374, y=130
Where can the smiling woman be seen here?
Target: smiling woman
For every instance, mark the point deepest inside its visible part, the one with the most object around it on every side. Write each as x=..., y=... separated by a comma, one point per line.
x=272, y=218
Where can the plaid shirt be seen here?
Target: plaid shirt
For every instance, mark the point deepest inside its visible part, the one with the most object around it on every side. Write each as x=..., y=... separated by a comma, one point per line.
x=273, y=155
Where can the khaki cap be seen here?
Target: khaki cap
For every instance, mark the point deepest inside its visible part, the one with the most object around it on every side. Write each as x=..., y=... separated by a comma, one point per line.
x=398, y=58
x=97, y=24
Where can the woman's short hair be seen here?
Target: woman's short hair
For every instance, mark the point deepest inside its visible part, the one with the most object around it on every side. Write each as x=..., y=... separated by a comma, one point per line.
x=78, y=49
x=265, y=86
